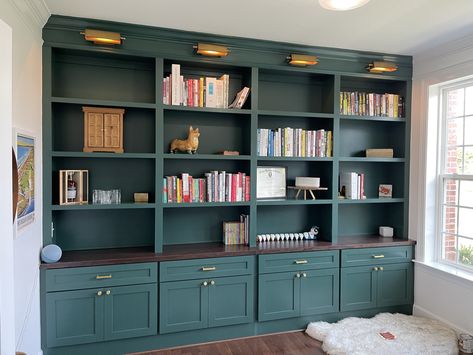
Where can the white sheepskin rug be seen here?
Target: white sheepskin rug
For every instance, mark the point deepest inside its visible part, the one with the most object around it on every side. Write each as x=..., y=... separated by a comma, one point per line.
x=361, y=336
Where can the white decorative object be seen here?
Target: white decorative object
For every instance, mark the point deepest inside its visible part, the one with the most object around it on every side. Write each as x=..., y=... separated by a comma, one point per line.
x=387, y=232
x=307, y=181
x=413, y=335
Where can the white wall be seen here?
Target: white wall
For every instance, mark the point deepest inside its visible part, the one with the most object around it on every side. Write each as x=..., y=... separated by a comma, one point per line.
x=7, y=316
x=438, y=293
x=26, y=19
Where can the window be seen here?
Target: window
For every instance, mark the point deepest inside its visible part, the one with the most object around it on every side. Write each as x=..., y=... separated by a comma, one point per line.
x=456, y=175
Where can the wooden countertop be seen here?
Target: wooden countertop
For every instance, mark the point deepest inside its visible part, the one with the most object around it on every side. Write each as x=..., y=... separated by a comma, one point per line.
x=213, y=250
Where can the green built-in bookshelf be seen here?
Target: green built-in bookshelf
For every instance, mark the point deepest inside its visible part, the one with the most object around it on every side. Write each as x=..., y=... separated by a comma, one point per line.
x=78, y=73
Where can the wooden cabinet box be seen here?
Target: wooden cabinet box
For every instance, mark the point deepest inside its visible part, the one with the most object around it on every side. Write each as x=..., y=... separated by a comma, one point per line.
x=103, y=129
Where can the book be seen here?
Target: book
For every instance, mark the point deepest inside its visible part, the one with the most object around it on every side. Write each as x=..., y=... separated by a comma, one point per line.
x=380, y=153
x=210, y=92
x=175, y=82
x=240, y=98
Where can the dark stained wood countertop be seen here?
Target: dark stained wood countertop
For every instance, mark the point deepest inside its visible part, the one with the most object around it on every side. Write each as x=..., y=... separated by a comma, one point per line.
x=213, y=250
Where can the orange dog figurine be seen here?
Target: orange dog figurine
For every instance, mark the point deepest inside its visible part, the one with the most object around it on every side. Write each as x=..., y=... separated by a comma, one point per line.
x=188, y=145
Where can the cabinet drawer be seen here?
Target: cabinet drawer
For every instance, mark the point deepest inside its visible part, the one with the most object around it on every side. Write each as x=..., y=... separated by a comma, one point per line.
x=202, y=268
x=100, y=276
x=298, y=261
x=376, y=256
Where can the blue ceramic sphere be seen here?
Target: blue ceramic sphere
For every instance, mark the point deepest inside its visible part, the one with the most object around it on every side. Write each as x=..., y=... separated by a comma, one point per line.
x=51, y=253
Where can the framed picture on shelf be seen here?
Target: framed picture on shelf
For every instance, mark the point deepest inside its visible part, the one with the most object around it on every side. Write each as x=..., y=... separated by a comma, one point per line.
x=270, y=182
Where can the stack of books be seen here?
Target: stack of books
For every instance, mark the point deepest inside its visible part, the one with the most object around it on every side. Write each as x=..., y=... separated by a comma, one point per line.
x=195, y=92
x=371, y=104
x=294, y=142
x=352, y=185
x=237, y=232
x=217, y=186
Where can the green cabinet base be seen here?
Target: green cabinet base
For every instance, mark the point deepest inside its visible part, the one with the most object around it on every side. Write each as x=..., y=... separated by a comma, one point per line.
x=212, y=334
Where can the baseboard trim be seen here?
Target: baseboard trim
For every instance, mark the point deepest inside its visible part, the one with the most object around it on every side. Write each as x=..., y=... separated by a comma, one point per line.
x=422, y=312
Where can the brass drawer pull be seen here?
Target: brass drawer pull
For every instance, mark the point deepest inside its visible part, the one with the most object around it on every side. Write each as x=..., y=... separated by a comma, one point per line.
x=101, y=277
x=380, y=256
x=299, y=262
x=209, y=268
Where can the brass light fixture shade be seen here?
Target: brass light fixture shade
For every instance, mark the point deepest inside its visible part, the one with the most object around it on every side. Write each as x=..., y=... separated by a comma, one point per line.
x=102, y=37
x=381, y=67
x=211, y=50
x=302, y=60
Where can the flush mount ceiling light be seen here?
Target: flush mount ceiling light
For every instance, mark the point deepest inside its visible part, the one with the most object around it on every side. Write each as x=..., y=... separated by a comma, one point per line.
x=381, y=67
x=211, y=50
x=342, y=5
x=302, y=60
x=102, y=37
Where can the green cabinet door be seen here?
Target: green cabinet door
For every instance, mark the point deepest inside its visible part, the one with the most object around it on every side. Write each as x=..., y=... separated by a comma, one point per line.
x=395, y=284
x=74, y=317
x=183, y=306
x=230, y=300
x=278, y=296
x=131, y=311
x=358, y=288
x=319, y=291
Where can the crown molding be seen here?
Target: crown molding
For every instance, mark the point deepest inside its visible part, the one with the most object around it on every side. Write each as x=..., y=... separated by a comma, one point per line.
x=34, y=13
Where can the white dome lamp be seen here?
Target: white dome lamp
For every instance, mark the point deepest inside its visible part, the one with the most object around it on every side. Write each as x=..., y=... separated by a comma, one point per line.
x=342, y=5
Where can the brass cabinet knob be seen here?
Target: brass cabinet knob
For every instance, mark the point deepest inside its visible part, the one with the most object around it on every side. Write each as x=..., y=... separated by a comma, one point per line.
x=375, y=269
x=381, y=268
x=205, y=283
x=108, y=292
x=212, y=282
x=99, y=293
x=298, y=275
x=304, y=274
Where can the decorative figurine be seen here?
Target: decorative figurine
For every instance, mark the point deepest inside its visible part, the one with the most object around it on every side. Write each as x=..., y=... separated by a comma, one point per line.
x=314, y=231
x=188, y=145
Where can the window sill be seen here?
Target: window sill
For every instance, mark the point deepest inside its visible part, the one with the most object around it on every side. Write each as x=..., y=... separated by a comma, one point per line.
x=451, y=271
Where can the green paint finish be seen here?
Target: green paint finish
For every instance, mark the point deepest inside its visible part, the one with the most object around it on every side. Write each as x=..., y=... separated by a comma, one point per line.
x=358, y=288
x=298, y=261
x=209, y=268
x=231, y=300
x=183, y=306
x=202, y=303
x=395, y=284
x=376, y=256
x=319, y=291
x=74, y=317
x=100, y=276
x=131, y=311
x=278, y=296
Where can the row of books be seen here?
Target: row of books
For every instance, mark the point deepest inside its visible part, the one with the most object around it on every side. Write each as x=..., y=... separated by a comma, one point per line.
x=371, y=104
x=237, y=232
x=294, y=142
x=201, y=92
x=352, y=185
x=217, y=186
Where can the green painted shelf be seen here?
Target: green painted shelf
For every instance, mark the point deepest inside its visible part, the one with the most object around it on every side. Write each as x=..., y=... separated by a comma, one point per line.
x=371, y=200
x=120, y=206
x=94, y=102
x=372, y=160
x=294, y=114
x=284, y=202
x=206, y=204
x=295, y=159
x=103, y=155
x=373, y=118
x=207, y=109
x=205, y=157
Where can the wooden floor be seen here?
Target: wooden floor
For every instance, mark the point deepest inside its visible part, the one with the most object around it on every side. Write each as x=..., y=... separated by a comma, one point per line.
x=284, y=343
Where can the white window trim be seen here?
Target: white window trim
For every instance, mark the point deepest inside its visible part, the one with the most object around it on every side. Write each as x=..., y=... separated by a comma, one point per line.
x=439, y=95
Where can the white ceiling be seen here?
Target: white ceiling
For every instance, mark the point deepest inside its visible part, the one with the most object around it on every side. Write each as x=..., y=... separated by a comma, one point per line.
x=391, y=26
